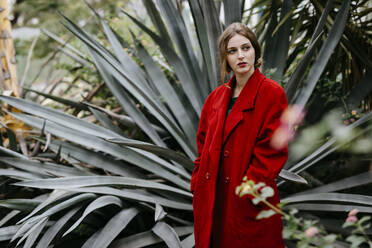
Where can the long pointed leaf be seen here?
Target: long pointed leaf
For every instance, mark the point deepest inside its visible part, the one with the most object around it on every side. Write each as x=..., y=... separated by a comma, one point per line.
x=126, y=61
x=65, y=101
x=165, y=152
x=33, y=233
x=174, y=130
x=189, y=241
x=59, y=117
x=22, y=230
x=114, y=227
x=157, y=21
x=324, y=53
x=168, y=215
x=299, y=73
x=96, y=159
x=62, y=42
x=167, y=233
x=113, y=66
x=181, y=37
x=9, y=216
x=131, y=67
x=290, y=176
x=346, y=183
x=276, y=47
x=120, y=152
x=330, y=197
x=106, y=122
x=326, y=207
x=74, y=57
x=214, y=29
x=42, y=168
x=52, y=231
x=360, y=90
x=124, y=119
x=71, y=122
x=147, y=238
x=78, y=182
x=186, y=118
x=201, y=31
x=135, y=196
x=12, y=153
x=232, y=11
x=56, y=195
x=25, y=205
x=179, y=67
x=94, y=205
x=79, y=199
x=16, y=174
x=6, y=233
x=322, y=20
x=57, y=208
x=125, y=101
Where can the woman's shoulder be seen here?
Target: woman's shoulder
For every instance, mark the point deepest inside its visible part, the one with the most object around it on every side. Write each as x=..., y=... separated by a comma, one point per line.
x=272, y=89
x=216, y=92
x=269, y=84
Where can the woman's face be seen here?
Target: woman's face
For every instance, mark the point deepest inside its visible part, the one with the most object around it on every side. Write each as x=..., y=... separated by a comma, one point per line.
x=240, y=55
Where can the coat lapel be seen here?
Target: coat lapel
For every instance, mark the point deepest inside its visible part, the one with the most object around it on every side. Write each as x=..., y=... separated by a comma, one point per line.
x=244, y=102
x=220, y=108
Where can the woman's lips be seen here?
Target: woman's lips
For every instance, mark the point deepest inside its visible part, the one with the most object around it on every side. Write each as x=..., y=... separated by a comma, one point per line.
x=242, y=64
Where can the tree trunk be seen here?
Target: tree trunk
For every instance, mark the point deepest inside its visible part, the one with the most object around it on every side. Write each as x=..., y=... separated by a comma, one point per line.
x=8, y=73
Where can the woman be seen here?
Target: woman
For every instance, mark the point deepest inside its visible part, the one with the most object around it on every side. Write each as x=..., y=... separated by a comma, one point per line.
x=233, y=139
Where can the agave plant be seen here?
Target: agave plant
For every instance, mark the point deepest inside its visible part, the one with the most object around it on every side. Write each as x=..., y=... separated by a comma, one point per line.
x=95, y=186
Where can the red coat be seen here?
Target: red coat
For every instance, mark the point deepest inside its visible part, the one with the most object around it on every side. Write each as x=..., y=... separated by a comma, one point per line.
x=227, y=151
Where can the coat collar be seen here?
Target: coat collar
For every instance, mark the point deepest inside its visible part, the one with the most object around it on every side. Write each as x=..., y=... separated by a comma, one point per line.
x=246, y=97
x=245, y=101
x=249, y=92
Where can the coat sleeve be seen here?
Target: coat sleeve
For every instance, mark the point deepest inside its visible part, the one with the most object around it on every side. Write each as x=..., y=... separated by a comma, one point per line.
x=200, y=138
x=266, y=161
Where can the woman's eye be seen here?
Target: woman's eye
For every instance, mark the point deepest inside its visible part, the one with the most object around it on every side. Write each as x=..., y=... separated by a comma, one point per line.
x=246, y=48
x=231, y=51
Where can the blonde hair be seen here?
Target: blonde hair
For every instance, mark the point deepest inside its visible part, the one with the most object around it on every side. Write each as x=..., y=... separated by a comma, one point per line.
x=232, y=30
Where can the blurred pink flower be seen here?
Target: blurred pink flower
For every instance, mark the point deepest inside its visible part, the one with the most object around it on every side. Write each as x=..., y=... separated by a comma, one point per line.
x=354, y=112
x=311, y=232
x=281, y=137
x=352, y=218
x=292, y=116
x=353, y=212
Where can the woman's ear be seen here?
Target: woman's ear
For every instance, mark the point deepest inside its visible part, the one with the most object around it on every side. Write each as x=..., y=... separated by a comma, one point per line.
x=258, y=63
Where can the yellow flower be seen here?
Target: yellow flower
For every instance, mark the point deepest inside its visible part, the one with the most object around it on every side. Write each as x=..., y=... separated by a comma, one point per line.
x=247, y=188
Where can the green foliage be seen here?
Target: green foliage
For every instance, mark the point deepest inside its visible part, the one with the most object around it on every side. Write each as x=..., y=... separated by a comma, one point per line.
x=329, y=91
x=43, y=14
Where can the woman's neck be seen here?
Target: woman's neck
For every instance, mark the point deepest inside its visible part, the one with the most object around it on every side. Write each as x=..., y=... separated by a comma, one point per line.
x=241, y=80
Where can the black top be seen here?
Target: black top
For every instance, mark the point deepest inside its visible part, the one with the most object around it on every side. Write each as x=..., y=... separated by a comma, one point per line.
x=231, y=104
